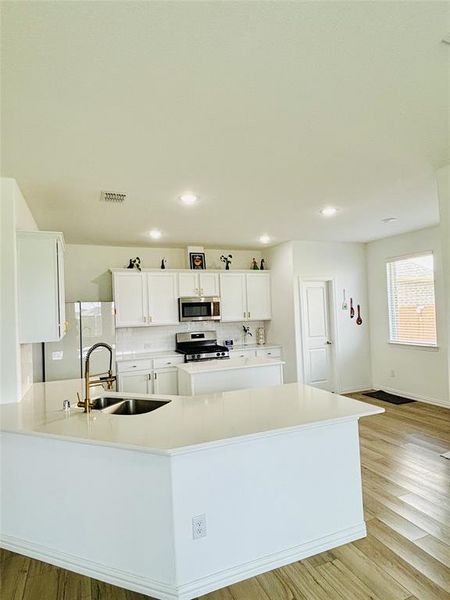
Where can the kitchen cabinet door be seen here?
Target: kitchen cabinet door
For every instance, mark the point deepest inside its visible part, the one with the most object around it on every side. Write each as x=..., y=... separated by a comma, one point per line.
x=135, y=383
x=162, y=293
x=188, y=285
x=165, y=381
x=40, y=286
x=208, y=284
x=130, y=298
x=258, y=297
x=232, y=297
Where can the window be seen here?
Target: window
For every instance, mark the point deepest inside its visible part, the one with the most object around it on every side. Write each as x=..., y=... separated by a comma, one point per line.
x=412, y=313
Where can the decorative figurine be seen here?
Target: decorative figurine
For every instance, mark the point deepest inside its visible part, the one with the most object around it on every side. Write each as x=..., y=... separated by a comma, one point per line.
x=163, y=263
x=255, y=265
x=247, y=333
x=263, y=265
x=227, y=261
x=135, y=263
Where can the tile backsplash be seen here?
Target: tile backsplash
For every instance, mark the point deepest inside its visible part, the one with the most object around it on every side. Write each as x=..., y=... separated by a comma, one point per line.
x=154, y=339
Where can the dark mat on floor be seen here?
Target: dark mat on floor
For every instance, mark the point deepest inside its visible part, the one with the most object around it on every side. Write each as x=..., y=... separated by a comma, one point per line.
x=380, y=395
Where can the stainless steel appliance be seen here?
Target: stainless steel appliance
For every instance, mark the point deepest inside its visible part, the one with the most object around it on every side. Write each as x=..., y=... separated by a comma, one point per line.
x=199, y=308
x=200, y=345
x=87, y=324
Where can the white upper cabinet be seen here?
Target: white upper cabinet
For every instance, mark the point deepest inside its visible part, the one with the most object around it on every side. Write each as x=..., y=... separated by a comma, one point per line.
x=162, y=293
x=41, y=298
x=150, y=298
x=208, y=283
x=245, y=296
x=130, y=298
x=233, y=306
x=198, y=284
x=259, y=307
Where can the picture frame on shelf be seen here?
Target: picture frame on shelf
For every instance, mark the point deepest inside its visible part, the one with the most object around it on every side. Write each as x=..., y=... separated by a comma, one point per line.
x=197, y=260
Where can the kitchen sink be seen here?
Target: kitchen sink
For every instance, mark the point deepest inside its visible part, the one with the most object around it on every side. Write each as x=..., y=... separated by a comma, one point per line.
x=100, y=403
x=133, y=406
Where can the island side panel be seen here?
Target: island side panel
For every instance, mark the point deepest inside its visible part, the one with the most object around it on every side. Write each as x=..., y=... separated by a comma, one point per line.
x=96, y=510
x=267, y=502
x=226, y=380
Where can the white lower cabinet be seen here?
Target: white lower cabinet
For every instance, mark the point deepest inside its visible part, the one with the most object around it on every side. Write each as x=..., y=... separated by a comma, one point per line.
x=134, y=383
x=147, y=378
x=165, y=382
x=242, y=354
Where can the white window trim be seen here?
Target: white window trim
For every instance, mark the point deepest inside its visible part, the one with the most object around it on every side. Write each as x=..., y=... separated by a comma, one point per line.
x=412, y=345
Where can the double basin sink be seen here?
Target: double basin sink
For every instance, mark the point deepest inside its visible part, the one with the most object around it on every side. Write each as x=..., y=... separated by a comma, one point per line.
x=127, y=406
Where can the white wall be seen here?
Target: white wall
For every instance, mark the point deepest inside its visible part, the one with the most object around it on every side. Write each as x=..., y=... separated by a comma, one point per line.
x=443, y=185
x=281, y=329
x=87, y=275
x=419, y=373
x=16, y=373
x=345, y=264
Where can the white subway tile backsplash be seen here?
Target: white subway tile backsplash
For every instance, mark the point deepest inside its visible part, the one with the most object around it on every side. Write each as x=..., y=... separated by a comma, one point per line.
x=154, y=339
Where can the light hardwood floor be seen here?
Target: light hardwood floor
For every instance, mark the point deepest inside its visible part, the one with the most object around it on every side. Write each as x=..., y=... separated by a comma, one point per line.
x=405, y=556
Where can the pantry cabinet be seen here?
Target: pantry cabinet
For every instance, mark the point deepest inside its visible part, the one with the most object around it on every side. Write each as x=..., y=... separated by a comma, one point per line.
x=40, y=286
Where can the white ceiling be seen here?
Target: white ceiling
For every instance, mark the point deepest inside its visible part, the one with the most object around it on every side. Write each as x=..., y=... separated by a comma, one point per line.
x=268, y=110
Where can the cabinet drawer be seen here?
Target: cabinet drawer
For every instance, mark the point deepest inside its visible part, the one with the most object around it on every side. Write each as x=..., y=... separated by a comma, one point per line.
x=128, y=366
x=167, y=361
x=242, y=354
x=269, y=352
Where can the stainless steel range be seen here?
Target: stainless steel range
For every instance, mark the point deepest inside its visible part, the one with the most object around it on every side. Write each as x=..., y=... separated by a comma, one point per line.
x=200, y=345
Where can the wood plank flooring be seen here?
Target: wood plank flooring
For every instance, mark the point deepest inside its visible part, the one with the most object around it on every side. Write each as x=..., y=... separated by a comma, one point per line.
x=406, y=555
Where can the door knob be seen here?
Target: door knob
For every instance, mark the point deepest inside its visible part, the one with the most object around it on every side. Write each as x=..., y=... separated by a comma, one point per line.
x=329, y=343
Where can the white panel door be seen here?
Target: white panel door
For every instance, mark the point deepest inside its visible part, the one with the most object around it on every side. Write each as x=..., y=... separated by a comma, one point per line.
x=165, y=381
x=162, y=293
x=130, y=299
x=316, y=335
x=232, y=297
x=258, y=297
x=135, y=383
x=188, y=284
x=208, y=284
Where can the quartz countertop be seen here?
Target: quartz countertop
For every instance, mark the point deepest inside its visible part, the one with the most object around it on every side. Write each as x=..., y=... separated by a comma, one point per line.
x=186, y=423
x=147, y=354
x=228, y=364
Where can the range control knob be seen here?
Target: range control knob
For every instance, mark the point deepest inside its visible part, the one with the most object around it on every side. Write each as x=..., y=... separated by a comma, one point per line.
x=218, y=353
x=223, y=353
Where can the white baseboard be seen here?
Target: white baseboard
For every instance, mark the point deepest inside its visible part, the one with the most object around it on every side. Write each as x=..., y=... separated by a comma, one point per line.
x=186, y=591
x=417, y=397
x=357, y=390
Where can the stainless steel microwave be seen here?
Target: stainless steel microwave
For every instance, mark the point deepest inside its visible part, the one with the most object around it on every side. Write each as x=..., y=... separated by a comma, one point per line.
x=199, y=308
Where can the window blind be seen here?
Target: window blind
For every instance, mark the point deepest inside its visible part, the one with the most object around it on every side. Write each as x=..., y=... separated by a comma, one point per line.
x=411, y=301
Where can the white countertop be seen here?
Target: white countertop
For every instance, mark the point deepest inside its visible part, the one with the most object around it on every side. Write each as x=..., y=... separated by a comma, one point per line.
x=121, y=356
x=185, y=424
x=227, y=364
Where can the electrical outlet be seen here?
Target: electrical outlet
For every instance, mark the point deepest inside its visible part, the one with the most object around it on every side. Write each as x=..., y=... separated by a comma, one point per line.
x=392, y=373
x=198, y=527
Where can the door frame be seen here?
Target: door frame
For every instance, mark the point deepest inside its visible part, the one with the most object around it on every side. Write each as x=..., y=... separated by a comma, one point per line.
x=332, y=318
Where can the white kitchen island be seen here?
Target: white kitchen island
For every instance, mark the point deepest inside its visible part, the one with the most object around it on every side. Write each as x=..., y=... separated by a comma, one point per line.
x=211, y=376
x=269, y=475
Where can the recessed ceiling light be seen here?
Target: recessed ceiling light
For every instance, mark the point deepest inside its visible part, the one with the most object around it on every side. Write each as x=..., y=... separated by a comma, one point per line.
x=264, y=239
x=188, y=198
x=155, y=234
x=389, y=220
x=328, y=211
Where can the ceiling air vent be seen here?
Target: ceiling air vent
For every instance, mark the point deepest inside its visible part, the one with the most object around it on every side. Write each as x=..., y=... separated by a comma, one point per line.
x=116, y=197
